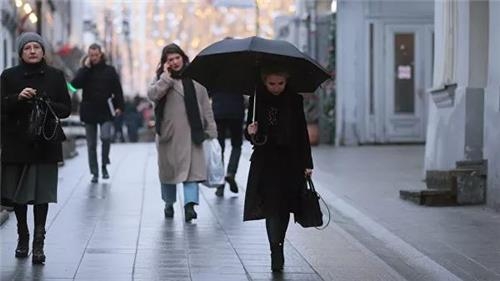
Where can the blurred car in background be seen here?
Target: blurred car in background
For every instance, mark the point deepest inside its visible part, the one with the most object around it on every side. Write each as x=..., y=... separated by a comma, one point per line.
x=73, y=127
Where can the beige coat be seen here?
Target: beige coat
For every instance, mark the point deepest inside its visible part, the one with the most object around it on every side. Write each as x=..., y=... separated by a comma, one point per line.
x=180, y=160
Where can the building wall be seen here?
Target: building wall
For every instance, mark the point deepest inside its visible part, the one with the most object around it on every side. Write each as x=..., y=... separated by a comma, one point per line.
x=492, y=108
x=455, y=128
x=445, y=135
x=350, y=70
x=354, y=123
x=8, y=56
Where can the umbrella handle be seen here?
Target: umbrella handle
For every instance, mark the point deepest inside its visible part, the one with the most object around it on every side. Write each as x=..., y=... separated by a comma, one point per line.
x=254, y=137
x=254, y=105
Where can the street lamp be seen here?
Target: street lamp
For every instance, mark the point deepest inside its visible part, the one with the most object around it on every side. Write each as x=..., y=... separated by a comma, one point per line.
x=311, y=27
x=257, y=15
x=39, y=13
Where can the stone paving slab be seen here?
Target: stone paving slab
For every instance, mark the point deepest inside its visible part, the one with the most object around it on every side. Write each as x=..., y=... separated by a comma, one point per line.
x=363, y=183
x=115, y=230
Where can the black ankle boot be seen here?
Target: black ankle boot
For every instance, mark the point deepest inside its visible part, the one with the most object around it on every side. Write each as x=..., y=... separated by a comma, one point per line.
x=105, y=174
x=277, y=257
x=169, y=211
x=95, y=178
x=233, y=186
x=23, y=242
x=219, y=192
x=189, y=211
x=38, y=256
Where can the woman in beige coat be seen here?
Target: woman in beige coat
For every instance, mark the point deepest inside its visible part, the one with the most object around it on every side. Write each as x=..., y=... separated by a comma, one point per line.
x=184, y=118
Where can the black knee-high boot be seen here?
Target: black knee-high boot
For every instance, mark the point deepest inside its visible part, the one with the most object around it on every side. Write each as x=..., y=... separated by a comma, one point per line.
x=23, y=234
x=40, y=212
x=276, y=230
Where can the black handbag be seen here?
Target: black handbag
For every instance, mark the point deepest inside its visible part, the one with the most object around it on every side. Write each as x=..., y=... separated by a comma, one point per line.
x=44, y=124
x=309, y=214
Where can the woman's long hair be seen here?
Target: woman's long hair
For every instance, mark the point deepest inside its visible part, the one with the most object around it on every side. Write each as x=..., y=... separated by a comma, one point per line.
x=170, y=49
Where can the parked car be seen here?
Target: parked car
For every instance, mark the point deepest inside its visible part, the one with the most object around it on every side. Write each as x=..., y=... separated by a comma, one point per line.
x=73, y=127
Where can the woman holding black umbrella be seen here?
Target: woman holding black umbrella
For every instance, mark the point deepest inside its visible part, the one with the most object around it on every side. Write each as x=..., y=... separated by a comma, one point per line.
x=29, y=167
x=281, y=158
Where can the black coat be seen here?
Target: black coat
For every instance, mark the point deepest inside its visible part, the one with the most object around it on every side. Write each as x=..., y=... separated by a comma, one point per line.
x=227, y=105
x=48, y=81
x=98, y=83
x=277, y=167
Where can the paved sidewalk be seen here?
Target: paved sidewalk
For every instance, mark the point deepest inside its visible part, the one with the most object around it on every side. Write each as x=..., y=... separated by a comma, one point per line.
x=115, y=230
x=420, y=243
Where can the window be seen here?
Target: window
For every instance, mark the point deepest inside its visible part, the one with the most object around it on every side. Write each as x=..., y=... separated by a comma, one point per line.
x=404, y=80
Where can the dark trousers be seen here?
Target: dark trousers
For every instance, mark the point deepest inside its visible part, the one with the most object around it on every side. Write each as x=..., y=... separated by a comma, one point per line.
x=40, y=214
x=276, y=226
x=235, y=129
x=118, y=126
x=91, y=132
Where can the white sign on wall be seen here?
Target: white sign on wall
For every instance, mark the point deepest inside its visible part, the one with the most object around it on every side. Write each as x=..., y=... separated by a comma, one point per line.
x=404, y=72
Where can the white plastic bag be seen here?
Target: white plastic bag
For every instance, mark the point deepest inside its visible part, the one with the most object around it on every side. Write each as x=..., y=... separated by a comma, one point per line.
x=213, y=159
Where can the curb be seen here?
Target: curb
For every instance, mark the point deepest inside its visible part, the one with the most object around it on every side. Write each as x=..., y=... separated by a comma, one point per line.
x=404, y=251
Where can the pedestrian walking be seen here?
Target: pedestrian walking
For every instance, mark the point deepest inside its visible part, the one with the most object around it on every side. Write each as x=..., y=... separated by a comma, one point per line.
x=102, y=98
x=118, y=128
x=229, y=112
x=184, y=118
x=29, y=167
x=132, y=119
x=280, y=160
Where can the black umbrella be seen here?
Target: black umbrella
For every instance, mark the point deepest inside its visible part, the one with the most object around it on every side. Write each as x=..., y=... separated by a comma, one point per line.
x=233, y=65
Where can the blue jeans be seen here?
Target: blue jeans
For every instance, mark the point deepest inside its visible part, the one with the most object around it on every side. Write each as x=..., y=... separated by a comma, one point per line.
x=169, y=193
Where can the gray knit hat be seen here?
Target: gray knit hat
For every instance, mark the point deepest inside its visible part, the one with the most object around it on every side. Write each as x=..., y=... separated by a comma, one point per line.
x=27, y=37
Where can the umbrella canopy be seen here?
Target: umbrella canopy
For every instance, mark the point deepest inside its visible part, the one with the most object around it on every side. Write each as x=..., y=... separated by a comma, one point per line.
x=233, y=65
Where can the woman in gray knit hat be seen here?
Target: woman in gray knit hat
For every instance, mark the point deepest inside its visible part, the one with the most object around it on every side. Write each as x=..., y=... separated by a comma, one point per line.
x=29, y=167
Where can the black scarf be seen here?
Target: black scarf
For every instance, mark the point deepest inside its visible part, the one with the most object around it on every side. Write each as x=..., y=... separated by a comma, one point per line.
x=192, y=110
x=280, y=133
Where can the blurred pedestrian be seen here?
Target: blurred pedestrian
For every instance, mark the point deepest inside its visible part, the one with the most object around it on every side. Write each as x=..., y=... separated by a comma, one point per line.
x=29, y=167
x=102, y=98
x=133, y=119
x=229, y=112
x=280, y=160
x=184, y=118
x=118, y=128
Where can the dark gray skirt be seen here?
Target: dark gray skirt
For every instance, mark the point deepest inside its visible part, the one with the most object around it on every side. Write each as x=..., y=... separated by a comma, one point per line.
x=29, y=183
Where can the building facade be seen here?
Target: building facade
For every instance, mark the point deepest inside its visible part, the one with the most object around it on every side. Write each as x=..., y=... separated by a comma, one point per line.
x=8, y=56
x=464, y=114
x=384, y=66
x=309, y=28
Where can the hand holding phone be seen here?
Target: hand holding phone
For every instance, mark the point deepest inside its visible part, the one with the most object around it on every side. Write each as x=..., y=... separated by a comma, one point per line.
x=167, y=69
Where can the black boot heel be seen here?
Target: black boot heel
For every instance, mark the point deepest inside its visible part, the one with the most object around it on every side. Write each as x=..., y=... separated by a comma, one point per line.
x=189, y=212
x=277, y=257
x=23, y=243
x=38, y=256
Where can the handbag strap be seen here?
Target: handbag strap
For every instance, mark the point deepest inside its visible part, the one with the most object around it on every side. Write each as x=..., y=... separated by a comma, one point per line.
x=57, y=121
x=311, y=186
